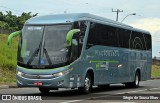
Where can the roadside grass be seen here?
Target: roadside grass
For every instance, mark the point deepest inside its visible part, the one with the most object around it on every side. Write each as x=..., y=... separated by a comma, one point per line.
x=7, y=76
x=8, y=55
x=8, y=58
x=155, y=71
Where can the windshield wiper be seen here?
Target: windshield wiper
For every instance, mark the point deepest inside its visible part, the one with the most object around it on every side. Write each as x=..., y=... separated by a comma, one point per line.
x=34, y=54
x=47, y=56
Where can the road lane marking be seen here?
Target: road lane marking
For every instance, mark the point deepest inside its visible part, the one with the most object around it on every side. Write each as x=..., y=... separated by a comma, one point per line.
x=73, y=101
x=133, y=91
x=118, y=102
x=151, y=92
x=138, y=90
x=153, y=88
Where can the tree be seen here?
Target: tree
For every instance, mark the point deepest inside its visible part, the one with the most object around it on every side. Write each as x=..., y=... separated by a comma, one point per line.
x=13, y=22
x=24, y=16
x=3, y=25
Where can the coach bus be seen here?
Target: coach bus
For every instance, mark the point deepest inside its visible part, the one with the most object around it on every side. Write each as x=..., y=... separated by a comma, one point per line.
x=81, y=50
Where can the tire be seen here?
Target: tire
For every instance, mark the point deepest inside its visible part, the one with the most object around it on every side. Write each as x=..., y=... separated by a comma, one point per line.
x=135, y=83
x=44, y=90
x=136, y=80
x=87, y=85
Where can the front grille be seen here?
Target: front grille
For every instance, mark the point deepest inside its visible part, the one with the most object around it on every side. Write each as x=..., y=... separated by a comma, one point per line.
x=38, y=76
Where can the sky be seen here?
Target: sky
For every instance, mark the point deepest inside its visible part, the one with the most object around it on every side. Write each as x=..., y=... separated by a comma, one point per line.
x=147, y=12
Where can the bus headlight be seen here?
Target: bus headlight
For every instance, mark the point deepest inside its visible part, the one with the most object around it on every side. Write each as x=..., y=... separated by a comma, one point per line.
x=61, y=73
x=20, y=73
x=58, y=74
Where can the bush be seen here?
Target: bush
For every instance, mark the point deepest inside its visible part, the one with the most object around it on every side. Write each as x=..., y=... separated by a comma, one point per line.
x=8, y=56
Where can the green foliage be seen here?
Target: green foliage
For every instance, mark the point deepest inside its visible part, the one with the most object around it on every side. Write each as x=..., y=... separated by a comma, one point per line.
x=7, y=76
x=13, y=22
x=3, y=25
x=8, y=55
x=8, y=59
x=155, y=71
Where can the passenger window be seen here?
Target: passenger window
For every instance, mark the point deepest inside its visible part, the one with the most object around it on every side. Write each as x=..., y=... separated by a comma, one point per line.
x=104, y=35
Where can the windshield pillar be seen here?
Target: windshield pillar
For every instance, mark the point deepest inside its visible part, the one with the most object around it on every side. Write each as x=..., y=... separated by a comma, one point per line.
x=82, y=25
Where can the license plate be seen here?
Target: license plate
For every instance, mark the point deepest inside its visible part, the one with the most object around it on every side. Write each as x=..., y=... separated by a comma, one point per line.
x=38, y=83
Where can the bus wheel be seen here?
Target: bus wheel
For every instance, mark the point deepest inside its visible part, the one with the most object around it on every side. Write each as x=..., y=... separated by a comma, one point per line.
x=135, y=83
x=87, y=85
x=44, y=90
x=136, y=80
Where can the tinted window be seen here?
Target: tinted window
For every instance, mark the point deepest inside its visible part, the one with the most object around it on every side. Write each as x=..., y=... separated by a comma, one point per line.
x=137, y=41
x=124, y=37
x=105, y=35
x=140, y=41
x=148, y=41
x=100, y=34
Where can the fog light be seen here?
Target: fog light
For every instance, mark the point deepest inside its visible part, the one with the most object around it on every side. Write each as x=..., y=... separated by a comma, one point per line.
x=60, y=82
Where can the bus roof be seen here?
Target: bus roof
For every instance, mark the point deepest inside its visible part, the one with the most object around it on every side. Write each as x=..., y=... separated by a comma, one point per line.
x=69, y=18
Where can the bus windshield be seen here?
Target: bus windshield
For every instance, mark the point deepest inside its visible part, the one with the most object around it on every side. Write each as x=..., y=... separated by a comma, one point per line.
x=43, y=45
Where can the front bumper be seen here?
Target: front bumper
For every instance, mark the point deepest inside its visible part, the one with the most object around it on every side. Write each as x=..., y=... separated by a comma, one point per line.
x=59, y=82
x=29, y=78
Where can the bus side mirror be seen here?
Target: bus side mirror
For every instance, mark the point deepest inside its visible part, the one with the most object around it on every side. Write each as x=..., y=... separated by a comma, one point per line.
x=14, y=34
x=69, y=36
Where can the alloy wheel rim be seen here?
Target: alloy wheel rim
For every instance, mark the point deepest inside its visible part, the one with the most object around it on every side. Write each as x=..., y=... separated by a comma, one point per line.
x=137, y=80
x=87, y=83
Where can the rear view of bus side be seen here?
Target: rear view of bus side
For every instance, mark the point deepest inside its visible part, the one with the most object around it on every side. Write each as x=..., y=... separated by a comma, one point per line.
x=122, y=54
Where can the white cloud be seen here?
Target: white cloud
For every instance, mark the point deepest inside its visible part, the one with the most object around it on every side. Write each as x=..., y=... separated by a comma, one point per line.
x=150, y=24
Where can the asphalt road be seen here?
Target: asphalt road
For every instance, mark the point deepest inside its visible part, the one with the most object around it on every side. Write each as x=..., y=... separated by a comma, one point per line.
x=149, y=91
